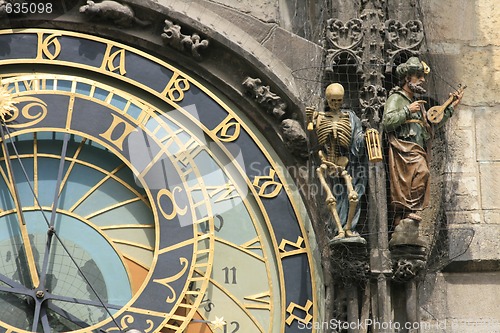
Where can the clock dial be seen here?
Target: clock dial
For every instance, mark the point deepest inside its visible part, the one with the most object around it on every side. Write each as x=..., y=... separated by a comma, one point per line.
x=170, y=213
x=97, y=192
x=115, y=241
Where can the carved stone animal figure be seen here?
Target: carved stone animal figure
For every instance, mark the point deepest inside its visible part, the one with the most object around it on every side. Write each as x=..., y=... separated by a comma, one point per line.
x=119, y=14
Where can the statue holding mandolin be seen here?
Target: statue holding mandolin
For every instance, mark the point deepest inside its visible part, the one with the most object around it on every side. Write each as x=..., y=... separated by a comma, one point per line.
x=409, y=129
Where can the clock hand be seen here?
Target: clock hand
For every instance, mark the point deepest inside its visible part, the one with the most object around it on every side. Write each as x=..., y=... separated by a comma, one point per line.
x=52, y=231
x=20, y=216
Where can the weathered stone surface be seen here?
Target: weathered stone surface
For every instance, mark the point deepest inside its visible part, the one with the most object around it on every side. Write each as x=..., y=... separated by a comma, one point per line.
x=244, y=20
x=469, y=295
x=487, y=122
x=488, y=22
x=461, y=150
x=446, y=21
x=490, y=185
x=462, y=192
x=304, y=59
x=265, y=10
x=464, y=217
x=492, y=216
x=484, y=245
x=460, y=302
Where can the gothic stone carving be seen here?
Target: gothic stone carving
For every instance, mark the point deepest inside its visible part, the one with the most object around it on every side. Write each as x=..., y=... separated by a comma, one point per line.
x=112, y=11
x=193, y=44
x=407, y=269
x=294, y=136
x=271, y=102
x=343, y=38
x=402, y=37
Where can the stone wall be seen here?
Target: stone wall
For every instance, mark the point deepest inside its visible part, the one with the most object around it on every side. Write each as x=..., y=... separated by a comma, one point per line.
x=464, y=42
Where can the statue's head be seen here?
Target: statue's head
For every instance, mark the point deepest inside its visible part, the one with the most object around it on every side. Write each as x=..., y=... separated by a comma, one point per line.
x=412, y=74
x=412, y=66
x=334, y=96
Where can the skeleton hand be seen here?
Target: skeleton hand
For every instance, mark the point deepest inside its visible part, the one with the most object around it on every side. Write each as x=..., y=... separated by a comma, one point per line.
x=310, y=115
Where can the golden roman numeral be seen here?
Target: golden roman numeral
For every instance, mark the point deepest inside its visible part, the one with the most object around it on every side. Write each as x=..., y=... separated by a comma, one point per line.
x=228, y=130
x=108, y=63
x=269, y=182
x=253, y=244
x=48, y=47
x=175, y=88
x=292, y=306
x=297, y=245
x=35, y=84
x=262, y=299
x=119, y=134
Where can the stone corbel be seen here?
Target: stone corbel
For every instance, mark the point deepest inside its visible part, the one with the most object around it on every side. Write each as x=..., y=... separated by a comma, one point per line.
x=186, y=43
x=294, y=136
x=408, y=251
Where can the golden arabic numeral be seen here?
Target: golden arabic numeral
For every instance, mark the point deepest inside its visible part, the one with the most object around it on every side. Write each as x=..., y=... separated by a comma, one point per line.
x=118, y=131
x=269, y=188
x=228, y=130
x=109, y=60
x=175, y=88
x=48, y=47
x=293, y=306
x=297, y=247
x=176, y=210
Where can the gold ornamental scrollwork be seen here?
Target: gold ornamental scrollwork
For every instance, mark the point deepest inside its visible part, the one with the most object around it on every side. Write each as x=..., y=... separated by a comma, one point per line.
x=128, y=320
x=184, y=262
x=29, y=112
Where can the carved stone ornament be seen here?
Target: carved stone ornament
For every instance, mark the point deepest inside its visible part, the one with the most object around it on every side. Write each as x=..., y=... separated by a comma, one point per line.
x=408, y=260
x=403, y=38
x=373, y=97
x=112, y=12
x=405, y=270
x=192, y=44
x=271, y=102
x=294, y=136
x=349, y=261
x=343, y=38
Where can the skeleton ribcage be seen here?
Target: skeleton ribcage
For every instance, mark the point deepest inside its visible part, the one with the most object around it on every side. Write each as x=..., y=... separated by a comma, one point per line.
x=325, y=130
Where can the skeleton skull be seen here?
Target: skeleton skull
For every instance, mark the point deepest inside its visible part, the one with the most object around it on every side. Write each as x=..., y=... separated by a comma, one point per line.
x=334, y=96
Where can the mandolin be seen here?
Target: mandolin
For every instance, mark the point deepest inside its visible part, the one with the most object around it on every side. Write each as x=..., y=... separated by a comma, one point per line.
x=436, y=113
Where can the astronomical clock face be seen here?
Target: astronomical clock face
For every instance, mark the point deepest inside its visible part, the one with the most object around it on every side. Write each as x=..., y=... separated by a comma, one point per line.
x=131, y=196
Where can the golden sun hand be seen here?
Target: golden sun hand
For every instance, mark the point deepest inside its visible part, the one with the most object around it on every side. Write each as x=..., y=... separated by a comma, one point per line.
x=6, y=103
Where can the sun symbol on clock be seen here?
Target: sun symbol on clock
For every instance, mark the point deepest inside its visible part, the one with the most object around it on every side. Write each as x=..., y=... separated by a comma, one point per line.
x=6, y=103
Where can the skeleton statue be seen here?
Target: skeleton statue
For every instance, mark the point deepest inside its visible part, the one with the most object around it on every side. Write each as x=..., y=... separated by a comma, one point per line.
x=343, y=160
